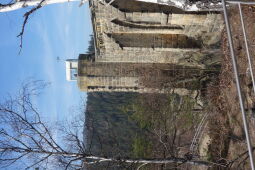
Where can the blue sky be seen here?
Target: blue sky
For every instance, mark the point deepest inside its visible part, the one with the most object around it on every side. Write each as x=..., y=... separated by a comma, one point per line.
x=58, y=30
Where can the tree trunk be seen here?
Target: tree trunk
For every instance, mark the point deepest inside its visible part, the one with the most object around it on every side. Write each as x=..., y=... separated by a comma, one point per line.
x=29, y=3
x=96, y=159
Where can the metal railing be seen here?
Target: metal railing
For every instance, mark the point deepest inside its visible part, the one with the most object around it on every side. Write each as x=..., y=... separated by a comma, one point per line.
x=235, y=68
x=198, y=133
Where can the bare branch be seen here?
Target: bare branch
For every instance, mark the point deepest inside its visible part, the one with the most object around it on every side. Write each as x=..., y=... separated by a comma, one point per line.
x=41, y=160
x=26, y=16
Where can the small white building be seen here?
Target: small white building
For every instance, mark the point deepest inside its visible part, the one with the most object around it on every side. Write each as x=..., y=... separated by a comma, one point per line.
x=71, y=69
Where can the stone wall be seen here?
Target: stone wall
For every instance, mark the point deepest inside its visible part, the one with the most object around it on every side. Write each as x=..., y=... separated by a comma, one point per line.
x=149, y=48
x=139, y=77
x=166, y=38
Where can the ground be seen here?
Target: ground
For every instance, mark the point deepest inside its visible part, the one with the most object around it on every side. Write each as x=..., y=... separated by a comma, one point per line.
x=225, y=126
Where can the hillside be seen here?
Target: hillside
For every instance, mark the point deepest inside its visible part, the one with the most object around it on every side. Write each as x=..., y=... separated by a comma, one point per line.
x=109, y=132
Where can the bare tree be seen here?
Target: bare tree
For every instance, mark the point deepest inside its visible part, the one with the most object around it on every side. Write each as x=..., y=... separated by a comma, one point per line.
x=18, y=4
x=24, y=136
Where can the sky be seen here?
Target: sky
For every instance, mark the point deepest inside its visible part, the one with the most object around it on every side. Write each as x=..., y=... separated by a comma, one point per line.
x=54, y=31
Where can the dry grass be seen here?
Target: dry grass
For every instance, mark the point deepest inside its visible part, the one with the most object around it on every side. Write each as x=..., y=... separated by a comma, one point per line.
x=225, y=126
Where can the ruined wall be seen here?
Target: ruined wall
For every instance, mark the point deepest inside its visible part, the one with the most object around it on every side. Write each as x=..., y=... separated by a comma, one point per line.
x=155, y=37
x=149, y=48
x=152, y=40
x=138, y=6
x=136, y=77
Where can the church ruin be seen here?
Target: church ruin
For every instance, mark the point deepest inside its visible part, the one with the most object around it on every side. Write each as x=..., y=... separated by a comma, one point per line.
x=138, y=45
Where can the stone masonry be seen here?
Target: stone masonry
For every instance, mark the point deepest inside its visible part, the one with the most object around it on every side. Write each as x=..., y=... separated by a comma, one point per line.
x=137, y=38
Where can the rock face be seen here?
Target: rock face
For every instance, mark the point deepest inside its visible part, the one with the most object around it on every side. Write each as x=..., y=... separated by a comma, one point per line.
x=133, y=34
